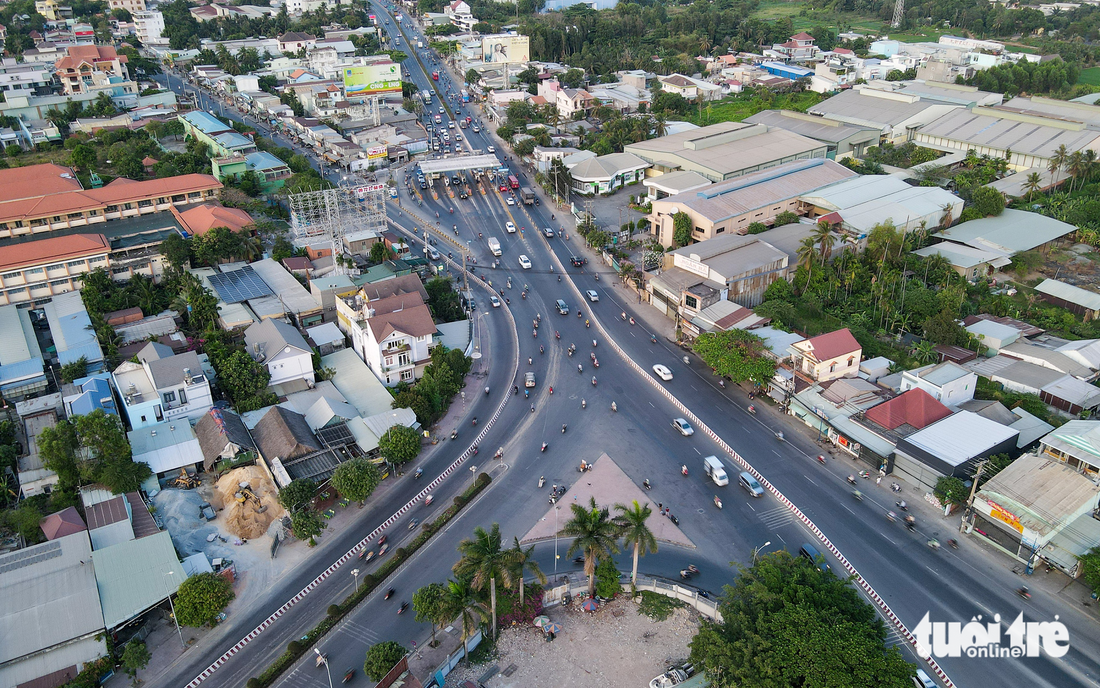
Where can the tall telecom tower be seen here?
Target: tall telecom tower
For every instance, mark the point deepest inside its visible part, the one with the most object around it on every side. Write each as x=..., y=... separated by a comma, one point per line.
x=332, y=214
x=899, y=13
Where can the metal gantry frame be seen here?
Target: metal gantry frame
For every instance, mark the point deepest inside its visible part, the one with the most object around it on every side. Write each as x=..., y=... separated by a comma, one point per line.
x=331, y=214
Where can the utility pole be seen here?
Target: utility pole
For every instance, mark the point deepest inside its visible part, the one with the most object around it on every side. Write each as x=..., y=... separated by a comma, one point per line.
x=974, y=489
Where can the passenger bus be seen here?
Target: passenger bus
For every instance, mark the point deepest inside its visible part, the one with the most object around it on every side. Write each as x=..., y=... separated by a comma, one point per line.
x=435, y=76
x=513, y=182
x=465, y=96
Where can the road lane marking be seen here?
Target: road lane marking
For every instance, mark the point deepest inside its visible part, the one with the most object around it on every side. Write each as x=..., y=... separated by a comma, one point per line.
x=777, y=453
x=697, y=451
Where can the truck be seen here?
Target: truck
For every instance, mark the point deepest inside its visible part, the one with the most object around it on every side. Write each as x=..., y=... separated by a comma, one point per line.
x=494, y=245
x=527, y=195
x=528, y=379
x=420, y=44
x=716, y=470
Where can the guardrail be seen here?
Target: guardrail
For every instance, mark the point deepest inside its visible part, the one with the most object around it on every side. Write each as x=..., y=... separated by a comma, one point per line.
x=689, y=596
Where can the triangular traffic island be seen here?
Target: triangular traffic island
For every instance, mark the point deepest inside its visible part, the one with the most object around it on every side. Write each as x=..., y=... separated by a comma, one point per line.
x=610, y=486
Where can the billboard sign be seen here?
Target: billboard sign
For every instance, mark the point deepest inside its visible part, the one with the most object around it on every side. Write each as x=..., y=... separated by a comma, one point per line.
x=370, y=80
x=502, y=48
x=375, y=152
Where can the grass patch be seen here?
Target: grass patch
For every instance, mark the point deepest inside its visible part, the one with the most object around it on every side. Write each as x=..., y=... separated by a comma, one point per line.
x=486, y=650
x=919, y=34
x=737, y=108
x=658, y=607
x=1090, y=76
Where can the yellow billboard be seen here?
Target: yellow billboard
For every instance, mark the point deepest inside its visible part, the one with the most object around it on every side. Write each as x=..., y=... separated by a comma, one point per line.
x=372, y=79
x=505, y=47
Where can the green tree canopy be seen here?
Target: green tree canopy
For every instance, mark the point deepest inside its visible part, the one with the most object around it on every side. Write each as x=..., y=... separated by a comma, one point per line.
x=201, y=598
x=306, y=524
x=135, y=657
x=736, y=354
x=400, y=444
x=355, y=479
x=381, y=657
x=429, y=603
x=788, y=623
x=297, y=494
x=682, y=227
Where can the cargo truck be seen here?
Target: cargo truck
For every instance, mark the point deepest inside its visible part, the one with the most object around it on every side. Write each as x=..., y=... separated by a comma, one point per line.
x=527, y=195
x=494, y=245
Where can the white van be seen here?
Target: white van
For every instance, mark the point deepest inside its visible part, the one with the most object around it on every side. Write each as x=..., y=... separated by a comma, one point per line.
x=716, y=470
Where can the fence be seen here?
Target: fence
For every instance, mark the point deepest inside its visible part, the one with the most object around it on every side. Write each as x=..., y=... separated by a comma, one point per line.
x=448, y=665
x=689, y=596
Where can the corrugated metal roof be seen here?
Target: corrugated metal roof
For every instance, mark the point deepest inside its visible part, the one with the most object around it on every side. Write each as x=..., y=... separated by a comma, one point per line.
x=71, y=328
x=960, y=437
x=855, y=190
x=48, y=596
x=963, y=256
x=296, y=297
x=1068, y=292
x=135, y=575
x=1009, y=232
x=970, y=129
x=357, y=383
x=857, y=108
x=1040, y=491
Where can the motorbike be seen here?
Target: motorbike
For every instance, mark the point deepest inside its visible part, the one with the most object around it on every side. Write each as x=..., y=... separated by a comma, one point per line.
x=557, y=335
x=934, y=544
x=593, y=343
x=413, y=523
x=779, y=436
x=348, y=675
x=583, y=403
x=486, y=391
x=1024, y=592
x=593, y=380
x=595, y=363
x=403, y=607
x=674, y=520
x=752, y=409
x=541, y=350
x=597, y=277
x=474, y=421
x=684, y=470
x=543, y=448
x=499, y=454
x=901, y=505
x=858, y=495
x=954, y=543
x=428, y=500
x=419, y=472
x=632, y=321
x=563, y=428
x=587, y=324
x=542, y=480
x=321, y=660
x=389, y=594
x=623, y=315
x=646, y=485
x=851, y=480
x=653, y=338
x=717, y=502
x=526, y=394
x=580, y=368
x=821, y=459
x=578, y=560
x=686, y=574
x=515, y=390
x=891, y=516
x=592, y=355
x=454, y=434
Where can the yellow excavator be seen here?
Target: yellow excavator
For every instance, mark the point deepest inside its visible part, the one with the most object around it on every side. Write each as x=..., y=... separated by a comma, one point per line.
x=185, y=481
x=245, y=494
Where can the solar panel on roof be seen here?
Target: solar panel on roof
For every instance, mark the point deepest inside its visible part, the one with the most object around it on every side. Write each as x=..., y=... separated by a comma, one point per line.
x=239, y=285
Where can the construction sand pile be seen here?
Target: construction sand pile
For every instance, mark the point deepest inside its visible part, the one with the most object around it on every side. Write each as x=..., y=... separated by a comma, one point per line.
x=244, y=519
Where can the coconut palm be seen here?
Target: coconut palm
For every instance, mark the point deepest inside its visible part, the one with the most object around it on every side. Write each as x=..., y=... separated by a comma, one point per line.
x=1060, y=158
x=594, y=534
x=519, y=561
x=483, y=561
x=635, y=533
x=824, y=238
x=807, y=252
x=1033, y=184
x=1076, y=167
x=461, y=600
x=948, y=210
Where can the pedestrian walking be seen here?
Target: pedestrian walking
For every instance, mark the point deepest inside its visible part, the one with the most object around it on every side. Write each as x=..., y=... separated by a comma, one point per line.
x=660, y=508
x=878, y=480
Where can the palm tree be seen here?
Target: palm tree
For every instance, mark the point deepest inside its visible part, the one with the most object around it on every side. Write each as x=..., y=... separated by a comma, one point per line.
x=462, y=600
x=1059, y=159
x=948, y=210
x=1076, y=167
x=483, y=561
x=595, y=535
x=1088, y=164
x=1033, y=183
x=807, y=253
x=659, y=126
x=520, y=560
x=635, y=533
x=824, y=238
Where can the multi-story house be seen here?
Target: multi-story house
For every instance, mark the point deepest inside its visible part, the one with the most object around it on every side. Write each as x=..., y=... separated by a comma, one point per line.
x=393, y=335
x=827, y=356
x=162, y=386
x=89, y=68
x=281, y=349
x=293, y=41
x=19, y=78
x=459, y=14
x=131, y=6
x=149, y=26
x=800, y=48
x=39, y=269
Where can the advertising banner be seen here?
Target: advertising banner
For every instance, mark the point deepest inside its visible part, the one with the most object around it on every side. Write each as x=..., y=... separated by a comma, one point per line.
x=503, y=48
x=372, y=79
x=376, y=152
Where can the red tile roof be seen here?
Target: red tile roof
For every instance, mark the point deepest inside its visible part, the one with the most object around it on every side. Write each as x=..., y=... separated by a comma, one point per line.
x=62, y=523
x=88, y=54
x=202, y=218
x=803, y=36
x=833, y=344
x=53, y=250
x=916, y=408
x=35, y=181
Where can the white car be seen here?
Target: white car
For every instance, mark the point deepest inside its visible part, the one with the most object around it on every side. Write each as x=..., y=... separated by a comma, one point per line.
x=525, y=262
x=682, y=427
x=511, y=201
x=495, y=301
x=441, y=110
x=510, y=227
x=548, y=232
x=450, y=125
x=458, y=136
x=594, y=297
x=662, y=372
x=477, y=130
x=491, y=149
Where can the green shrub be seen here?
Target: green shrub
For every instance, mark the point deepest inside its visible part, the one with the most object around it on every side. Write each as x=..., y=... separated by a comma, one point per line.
x=293, y=647
x=656, y=606
x=334, y=610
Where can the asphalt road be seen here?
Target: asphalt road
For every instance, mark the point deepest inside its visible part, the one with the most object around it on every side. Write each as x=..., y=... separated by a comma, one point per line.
x=913, y=579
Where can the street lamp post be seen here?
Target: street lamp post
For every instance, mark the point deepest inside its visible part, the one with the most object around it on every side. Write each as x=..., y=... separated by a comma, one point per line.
x=355, y=572
x=324, y=660
x=756, y=552
x=173, y=607
x=556, y=509
x=473, y=474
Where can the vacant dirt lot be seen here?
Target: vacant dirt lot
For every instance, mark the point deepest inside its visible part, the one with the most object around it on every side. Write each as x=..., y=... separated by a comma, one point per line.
x=615, y=647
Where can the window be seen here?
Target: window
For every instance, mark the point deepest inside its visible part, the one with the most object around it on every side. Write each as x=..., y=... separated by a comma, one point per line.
x=691, y=302
x=832, y=367
x=162, y=200
x=127, y=206
x=403, y=359
x=183, y=397
x=99, y=259
x=15, y=292
x=56, y=218
x=57, y=266
x=33, y=271
x=76, y=263
x=10, y=275
x=195, y=194
x=145, y=204
x=75, y=216
x=60, y=283
x=169, y=397
x=18, y=223
x=407, y=375
x=112, y=208
x=851, y=360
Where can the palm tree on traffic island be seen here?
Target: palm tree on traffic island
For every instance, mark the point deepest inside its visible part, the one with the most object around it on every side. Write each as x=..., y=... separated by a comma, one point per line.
x=521, y=560
x=635, y=533
x=594, y=534
x=483, y=561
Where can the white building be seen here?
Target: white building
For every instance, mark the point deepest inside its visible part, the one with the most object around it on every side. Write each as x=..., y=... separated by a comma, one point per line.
x=167, y=447
x=281, y=349
x=393, y=335
x=20, y=78
x=150, y=27
x=162, y=387
x=947, y=382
